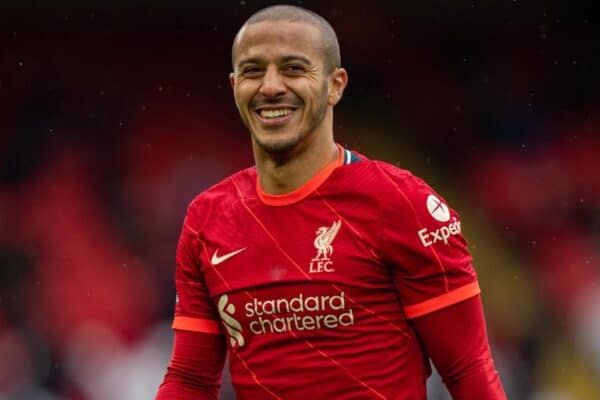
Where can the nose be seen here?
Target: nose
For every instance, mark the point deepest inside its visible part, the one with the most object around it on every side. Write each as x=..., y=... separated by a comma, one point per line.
x=272, y=84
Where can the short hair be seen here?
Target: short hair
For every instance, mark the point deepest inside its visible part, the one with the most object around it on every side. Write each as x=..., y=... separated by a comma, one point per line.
x=331, y=47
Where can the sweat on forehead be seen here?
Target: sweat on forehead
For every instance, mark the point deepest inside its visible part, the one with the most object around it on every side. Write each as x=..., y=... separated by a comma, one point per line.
x=329, y=42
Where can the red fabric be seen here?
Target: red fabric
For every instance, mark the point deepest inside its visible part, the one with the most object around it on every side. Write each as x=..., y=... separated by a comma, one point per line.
x=312, y=294
x=195, y=368
x=456, y=340
x=422, y=237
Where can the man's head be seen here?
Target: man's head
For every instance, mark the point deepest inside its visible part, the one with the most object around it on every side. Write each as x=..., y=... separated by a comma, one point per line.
x=329, y=42
x=286, y=77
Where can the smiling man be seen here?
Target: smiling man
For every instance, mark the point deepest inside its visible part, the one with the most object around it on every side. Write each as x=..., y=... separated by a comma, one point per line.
x=321, y=273
x=286, y=81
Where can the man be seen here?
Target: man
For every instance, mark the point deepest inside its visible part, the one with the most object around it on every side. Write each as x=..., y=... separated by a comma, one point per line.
x=323, y=274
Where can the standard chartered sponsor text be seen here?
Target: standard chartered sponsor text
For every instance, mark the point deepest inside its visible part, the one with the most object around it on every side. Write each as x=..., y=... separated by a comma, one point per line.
x=290, y=314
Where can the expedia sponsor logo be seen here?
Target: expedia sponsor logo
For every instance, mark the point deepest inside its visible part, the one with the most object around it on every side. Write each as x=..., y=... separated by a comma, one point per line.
x=438, y=210
x=298, y=313
x=441, y=213
x=442, y=234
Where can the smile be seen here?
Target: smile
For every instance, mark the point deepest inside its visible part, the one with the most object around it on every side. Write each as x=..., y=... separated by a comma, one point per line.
x=275, y=113
x=275, y=116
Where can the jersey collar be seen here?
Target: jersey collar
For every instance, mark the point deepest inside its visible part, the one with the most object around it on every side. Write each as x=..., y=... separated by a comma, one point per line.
x=306, y=189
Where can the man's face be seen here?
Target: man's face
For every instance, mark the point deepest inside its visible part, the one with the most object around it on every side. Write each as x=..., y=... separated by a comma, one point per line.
x=279, y=83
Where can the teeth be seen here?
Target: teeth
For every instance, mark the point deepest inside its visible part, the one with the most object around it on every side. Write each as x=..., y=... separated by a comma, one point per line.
x=275, y=113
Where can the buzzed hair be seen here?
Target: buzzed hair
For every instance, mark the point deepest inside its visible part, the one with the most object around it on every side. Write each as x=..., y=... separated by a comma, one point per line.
x=329, y=42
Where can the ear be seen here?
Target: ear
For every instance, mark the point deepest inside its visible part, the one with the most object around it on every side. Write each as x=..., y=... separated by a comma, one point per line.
x=337, y=83
x=232, y=80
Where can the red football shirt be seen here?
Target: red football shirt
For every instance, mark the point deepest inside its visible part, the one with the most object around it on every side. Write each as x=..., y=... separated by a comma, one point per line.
x=314, y=288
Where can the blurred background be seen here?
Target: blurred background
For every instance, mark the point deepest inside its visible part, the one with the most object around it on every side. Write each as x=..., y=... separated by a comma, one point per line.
x=114, y=115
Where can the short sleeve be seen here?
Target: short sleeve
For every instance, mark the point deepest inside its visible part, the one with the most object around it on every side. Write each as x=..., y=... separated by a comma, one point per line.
x=424, y=245
x=194, y=310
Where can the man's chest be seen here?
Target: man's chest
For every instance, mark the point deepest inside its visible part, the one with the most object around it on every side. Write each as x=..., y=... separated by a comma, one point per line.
x=255, y=248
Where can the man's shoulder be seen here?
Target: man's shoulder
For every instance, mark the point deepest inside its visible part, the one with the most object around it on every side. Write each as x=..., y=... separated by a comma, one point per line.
x=382, y=174
x=227, y=189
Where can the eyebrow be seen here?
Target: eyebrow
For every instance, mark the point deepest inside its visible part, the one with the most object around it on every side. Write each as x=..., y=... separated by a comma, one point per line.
x=296, y=58
x=252, y=60
x=284, y=59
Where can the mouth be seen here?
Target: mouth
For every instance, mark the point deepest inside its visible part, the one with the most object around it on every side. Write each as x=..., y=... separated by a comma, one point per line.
x=275, y=116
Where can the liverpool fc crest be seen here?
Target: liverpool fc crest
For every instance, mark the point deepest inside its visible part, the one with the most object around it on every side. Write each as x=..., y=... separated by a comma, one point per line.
x=323, y=243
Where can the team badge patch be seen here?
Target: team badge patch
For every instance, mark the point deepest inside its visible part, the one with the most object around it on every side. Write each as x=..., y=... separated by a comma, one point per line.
x=323, y=243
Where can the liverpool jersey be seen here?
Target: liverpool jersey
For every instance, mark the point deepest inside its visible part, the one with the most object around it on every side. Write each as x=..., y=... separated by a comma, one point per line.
x=314, y=289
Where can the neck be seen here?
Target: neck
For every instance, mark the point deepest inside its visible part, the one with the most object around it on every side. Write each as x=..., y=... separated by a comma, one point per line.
x=285, y=174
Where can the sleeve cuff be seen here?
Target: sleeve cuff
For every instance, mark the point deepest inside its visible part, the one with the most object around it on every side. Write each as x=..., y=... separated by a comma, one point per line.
x=196, y=325
x=444, y=300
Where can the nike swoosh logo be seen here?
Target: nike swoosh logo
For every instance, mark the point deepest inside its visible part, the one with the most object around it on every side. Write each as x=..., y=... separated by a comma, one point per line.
x=215, y=260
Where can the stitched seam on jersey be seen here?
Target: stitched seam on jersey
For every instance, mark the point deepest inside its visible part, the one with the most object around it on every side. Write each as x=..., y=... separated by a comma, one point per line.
x=298, y=266
x=256, y=377
x=328, y=357
x=441, y=265
x=306, y=275
x=191, y=253
x=194, y=232
x=373, y=253
x=214, y=268
x=334, y=361
x=269, y=234
x=196, y=240
x=367, y=309
x=188, y=282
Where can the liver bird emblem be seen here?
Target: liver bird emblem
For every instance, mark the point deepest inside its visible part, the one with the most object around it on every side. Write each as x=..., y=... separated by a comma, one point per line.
x=325, y=236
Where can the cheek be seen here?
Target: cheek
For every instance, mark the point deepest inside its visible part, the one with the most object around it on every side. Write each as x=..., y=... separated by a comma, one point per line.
x=243, y=95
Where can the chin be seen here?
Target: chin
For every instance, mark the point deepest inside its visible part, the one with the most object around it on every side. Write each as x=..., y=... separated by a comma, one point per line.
x=278, y=146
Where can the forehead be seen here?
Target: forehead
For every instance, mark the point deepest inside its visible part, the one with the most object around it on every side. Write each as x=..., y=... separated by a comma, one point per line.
x=272, y=39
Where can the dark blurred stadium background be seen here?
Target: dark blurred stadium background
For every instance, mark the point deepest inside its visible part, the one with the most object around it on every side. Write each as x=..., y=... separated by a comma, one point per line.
x=113, y=116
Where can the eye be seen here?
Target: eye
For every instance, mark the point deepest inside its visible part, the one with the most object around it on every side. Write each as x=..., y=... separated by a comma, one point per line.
x=252, y=72
x=294, y=69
